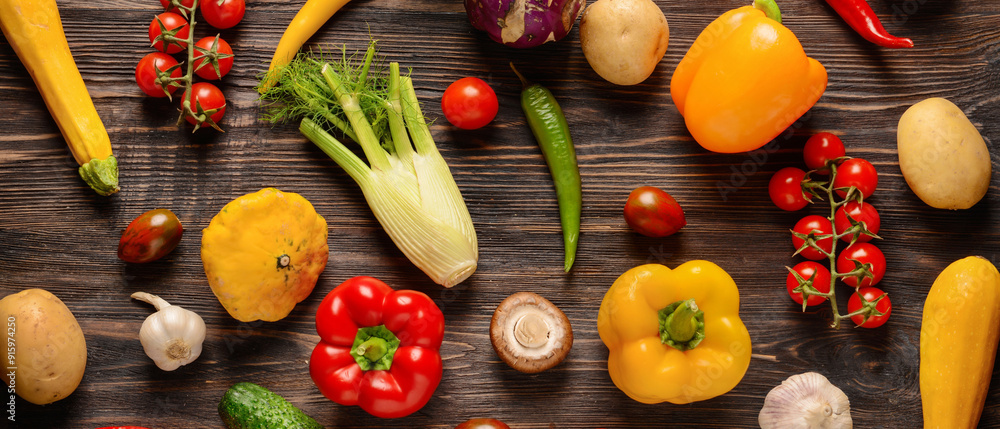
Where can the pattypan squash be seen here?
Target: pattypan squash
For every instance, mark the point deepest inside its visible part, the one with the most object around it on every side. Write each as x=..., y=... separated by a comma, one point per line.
x=263, y=254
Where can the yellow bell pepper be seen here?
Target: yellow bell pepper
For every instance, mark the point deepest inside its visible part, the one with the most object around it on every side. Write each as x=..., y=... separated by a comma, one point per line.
x=745, y=79
x=675, y=335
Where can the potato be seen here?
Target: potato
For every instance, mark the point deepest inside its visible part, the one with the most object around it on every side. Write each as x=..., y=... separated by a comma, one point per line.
x=943, y=157
x=46, y=345
x=624, y=40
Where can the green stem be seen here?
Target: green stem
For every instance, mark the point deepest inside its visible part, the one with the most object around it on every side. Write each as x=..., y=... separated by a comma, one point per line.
x=397, y=126
x=682, y=325
x=415, y=122
x=770, y=8
x=374, y=348
x=101, y=175
x=377, y=156
x=336, y=150
x=833, y=252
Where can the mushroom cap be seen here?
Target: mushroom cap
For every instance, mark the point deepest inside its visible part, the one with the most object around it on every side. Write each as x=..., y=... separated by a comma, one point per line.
x=806, y=401
x=529, y=333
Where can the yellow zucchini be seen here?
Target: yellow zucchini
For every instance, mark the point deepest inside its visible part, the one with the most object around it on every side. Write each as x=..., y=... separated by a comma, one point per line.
x=34, y=30
x=307, y=22
x=958, y=343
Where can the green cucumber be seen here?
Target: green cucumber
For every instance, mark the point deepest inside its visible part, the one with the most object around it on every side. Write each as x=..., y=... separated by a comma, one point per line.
x=249, y=406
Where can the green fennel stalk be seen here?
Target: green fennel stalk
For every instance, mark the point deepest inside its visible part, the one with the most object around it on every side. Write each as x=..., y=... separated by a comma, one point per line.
x=408, y=184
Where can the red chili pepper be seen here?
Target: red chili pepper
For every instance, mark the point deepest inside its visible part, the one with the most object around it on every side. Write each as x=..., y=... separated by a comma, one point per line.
x=860, y=16
x=378, y=347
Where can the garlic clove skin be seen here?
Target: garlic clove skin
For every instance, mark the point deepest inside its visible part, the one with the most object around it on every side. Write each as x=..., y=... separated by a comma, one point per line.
x=171, y=337
x=806, y=401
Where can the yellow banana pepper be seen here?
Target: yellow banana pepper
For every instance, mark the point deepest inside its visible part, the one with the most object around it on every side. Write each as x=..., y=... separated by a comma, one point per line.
x=674, y=335
x=745, y=79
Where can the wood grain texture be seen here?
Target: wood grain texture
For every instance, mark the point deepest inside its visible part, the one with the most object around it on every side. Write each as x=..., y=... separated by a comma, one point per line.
x=55, y=233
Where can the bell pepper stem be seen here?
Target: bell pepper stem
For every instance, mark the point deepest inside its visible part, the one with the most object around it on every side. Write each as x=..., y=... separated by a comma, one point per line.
x=682, y=325
x=770, y=8
x=374, y=347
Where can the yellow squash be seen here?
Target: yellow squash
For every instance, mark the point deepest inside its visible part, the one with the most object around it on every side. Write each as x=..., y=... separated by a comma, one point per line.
x=958, y=343
x=263, y=254
x=307, y=22
x=34, y=30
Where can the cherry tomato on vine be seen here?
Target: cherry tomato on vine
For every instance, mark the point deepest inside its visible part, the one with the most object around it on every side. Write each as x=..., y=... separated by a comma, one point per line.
x=223, y=14
x=820, y=148
x=204, y=53
x=870, y=294
x=172, y=24
x=859, y=173
x=170, y=8
x=864, y=212
x=819, y=225
x=807, y=270
x=150, y=236
x=469, y=103
x=652, y=212
x=865, y=253
x=209, y=97
x=785, y=189
x=145, y=74
x=482, y=424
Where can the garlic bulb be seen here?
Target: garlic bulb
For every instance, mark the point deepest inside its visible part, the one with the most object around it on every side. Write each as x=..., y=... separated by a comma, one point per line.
x=172, y=336
x=806, y=401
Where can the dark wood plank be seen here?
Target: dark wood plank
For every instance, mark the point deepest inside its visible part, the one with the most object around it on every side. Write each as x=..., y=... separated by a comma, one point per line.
x=56, y=234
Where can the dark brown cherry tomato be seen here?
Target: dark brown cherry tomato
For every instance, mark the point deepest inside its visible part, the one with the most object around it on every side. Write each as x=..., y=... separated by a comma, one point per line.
x=482, y=424
x=150, y=236
x=653, y=213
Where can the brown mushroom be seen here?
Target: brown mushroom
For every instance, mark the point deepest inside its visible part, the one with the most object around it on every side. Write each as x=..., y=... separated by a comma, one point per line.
x=529, y=333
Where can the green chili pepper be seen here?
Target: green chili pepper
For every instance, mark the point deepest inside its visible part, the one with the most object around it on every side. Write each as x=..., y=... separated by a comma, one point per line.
x=549, y=126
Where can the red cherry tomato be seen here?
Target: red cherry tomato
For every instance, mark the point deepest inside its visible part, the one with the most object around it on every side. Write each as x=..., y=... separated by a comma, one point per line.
x=653, y=213
x=482, y=424
x=205, y=50
x=860, y=213
x=150, y=236
x=146, y=75
x=209, y=97
x=820, y=148
x=820, y=226
x=807, y=270
x=172, y=23
x=223, y=14
x=785, y=189
x=469, y=103
x=859, y=173
x=870, y=294
x=865, y=253
x=170, y=8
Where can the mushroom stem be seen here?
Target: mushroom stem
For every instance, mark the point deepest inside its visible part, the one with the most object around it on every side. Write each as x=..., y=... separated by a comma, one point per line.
x=531, y=331
x=682, y=325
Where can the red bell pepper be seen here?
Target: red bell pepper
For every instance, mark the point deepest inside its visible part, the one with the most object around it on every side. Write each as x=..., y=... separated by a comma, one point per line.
x=378, y=348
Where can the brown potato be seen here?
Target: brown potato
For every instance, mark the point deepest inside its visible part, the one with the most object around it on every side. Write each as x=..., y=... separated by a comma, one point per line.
x=943, y=157
x=624, y=40
x=49, y=351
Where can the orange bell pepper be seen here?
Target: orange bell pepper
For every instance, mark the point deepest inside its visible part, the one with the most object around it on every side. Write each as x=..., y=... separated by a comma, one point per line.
x=745, y=79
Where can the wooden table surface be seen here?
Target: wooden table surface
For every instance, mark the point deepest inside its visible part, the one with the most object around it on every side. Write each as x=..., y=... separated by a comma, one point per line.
x=56, y=234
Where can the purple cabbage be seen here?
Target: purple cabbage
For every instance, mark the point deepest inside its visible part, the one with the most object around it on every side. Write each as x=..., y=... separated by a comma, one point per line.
x=524, y=23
